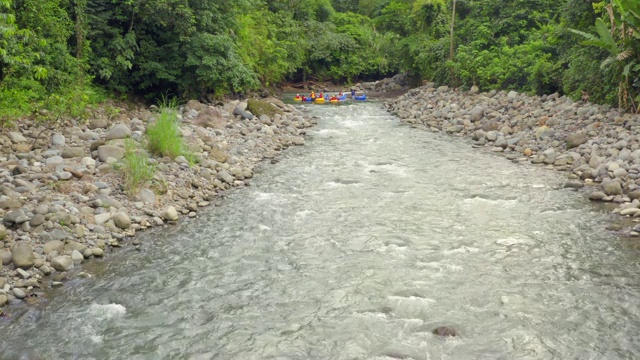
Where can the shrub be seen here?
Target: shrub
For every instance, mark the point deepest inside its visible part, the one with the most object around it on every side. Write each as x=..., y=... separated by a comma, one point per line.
x=135, y=167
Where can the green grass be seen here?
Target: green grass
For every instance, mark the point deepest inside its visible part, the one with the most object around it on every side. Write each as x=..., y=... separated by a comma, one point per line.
x=135, y=168
x=164, y=137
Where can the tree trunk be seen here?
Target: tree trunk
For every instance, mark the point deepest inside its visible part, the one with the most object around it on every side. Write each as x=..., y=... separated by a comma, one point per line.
x=453, y=18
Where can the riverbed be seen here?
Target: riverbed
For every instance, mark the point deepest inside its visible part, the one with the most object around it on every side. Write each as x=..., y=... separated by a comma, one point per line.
x=356, y=246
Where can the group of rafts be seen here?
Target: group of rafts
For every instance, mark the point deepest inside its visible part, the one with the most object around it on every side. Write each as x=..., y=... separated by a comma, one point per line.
x=322, y=98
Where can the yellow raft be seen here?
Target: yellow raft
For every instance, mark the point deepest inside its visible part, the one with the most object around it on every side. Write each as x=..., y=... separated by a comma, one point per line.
x=319, y=100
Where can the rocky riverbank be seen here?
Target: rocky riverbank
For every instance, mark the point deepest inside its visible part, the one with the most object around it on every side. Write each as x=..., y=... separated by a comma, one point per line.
x=62, y=200
x=598, y=146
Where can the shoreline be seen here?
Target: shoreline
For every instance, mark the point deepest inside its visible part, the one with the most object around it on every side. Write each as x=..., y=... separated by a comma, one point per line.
x=595, y=145
x=62, y=202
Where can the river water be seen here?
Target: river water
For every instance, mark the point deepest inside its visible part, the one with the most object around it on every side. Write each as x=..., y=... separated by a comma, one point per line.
x=355, y=247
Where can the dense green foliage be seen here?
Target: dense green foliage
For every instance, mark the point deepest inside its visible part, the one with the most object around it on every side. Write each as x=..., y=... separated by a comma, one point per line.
x=66, y=54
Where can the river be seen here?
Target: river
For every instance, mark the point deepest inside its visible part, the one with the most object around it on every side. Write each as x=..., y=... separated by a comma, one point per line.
x=356, y=246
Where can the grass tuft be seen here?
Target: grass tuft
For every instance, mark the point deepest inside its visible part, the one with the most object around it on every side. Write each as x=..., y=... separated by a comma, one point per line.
x=135, y=168
x=164, y=137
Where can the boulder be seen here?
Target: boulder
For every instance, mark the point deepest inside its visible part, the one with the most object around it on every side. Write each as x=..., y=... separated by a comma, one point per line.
x=170, y=214
x=62, y=263
x=476, y=113
x=51, y=246
x=122, y=220
x=118, y=131
x=575, y=139
x=224, y=175
x=612, y=188
x=210, y=117
x=72, y=152
x=22, y=255
x=110, y=151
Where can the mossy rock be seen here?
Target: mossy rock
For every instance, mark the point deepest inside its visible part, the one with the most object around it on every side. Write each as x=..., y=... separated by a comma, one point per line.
x=259, y=108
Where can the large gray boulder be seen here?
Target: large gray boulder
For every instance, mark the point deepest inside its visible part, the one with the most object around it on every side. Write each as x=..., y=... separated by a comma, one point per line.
x=22, y=255
x=62, y=263
x=107, y=151
x=575, y=139
x=210, y=117
x=118, y=131
x=476, y=113
x=612, y=188
x=122, y=220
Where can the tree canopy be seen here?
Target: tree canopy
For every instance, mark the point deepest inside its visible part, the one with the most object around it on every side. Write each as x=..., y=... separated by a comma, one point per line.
x=90, y=49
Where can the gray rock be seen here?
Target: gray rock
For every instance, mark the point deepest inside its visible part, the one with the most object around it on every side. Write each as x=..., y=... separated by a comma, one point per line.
x=170, y=214
x=72, y=152
x=10, y=204
x=23, y=274
x=210, y=118
x=612, y=188
x=575, y=140
x=54, y=160
x=574, y=184
x=118, y=131
x=16, y=137
x=98, y=124
x=122, y=220
x=3, y=232
x=57, y=140
x=6, y=257
x=297, y=140
x=224, y=175
x=97, y=252
x=62, y=263
x=64, y=175
x=101, y=218
x=597, y=196
x=11, y=217
x=240, y=108
x=181, y=160
x=491, y=135
x=3, y=299
x=37, y=219
x=22, y=254
x=147, y=196
x=476, y=113
x=58, y=234
x=77, y=257
x=19, y=293
x=107, y=151
x=51, y=246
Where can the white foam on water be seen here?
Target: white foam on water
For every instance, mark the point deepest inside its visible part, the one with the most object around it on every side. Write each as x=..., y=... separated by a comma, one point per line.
x=303, y=214
x=263, y=227
x=509, y=241
x=462, y=249
x=107, y=311
x=478, y=199
x=330, y=132
x=392, y=169
x=263, y=196
x=98, y=315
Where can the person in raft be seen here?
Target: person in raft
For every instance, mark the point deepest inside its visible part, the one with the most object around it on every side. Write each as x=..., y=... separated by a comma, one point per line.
x=313, y=95
x=321, y=95
x=353, y=92
x=334, y=98
x=298, y=96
